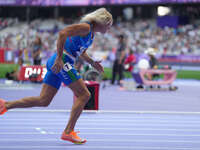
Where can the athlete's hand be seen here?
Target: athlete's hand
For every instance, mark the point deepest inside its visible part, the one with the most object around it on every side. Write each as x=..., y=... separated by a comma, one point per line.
x=98, y=66
x=58, y=65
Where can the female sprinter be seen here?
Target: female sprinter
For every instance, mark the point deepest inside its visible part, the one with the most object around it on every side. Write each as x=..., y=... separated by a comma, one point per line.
x=72, y=42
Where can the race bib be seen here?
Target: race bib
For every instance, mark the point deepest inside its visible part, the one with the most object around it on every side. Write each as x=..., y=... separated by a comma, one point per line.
x=67, y=67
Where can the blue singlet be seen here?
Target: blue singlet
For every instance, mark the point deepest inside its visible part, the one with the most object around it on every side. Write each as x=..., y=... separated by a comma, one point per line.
x=74, y=46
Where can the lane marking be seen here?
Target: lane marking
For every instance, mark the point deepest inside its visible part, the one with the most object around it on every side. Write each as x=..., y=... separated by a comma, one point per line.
x=102, y=124
x=104, y=140
x=58, y=117
x=100, y=133
x=110, y=120
x=42, y=131
x=99, y=147
x=114, y=128
x=108, y=111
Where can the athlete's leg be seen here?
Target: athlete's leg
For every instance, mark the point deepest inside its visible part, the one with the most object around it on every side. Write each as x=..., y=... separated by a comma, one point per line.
x=120, y=72
x=72, y=79
x=44, y=99
x=114, y=71
x=81, y=92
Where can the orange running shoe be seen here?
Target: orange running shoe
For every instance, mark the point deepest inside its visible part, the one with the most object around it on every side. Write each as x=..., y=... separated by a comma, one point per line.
x=73, y=137
x=2, y=107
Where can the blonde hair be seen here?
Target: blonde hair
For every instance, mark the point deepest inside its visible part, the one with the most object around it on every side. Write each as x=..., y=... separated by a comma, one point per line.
x=100, y=16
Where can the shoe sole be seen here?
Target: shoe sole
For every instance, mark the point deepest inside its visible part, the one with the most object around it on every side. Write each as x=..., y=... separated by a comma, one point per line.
x=73, y=141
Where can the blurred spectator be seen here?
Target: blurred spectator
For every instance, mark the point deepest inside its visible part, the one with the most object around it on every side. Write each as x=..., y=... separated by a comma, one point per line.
x=129, y=61
x=118, y=67
x=37, y=48
x=153, y=62
x=140, y=35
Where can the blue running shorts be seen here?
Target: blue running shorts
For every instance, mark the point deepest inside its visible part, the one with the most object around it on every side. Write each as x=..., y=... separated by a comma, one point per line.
x=67, y=75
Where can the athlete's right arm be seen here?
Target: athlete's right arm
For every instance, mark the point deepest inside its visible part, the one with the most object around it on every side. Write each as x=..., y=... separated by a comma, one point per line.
x=81, y=29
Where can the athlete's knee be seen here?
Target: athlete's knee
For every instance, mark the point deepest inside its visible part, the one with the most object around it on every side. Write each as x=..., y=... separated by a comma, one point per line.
x=44, y=104
x=86, y=96
x=44, y=101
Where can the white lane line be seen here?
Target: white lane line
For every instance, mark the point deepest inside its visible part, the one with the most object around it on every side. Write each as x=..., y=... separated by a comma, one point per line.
x=110, y=120
x=108, y=111
x=99, y=147
x=42, y=131
x=103, y=140
x=139, y=117
x=138, y=129
x=100, y=133
x=114, y=128
x=101, y=124
x=101, y=116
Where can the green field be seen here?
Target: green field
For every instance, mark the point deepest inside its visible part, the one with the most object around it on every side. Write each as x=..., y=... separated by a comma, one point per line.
x=181, y=74
x=4, y=68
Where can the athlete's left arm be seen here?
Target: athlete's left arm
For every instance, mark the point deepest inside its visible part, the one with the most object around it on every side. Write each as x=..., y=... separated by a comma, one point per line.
x=95, y=64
